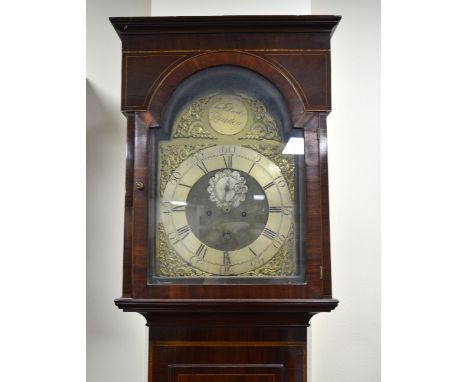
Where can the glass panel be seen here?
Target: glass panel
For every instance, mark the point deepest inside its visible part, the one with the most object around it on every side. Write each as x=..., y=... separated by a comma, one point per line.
x=226, y=190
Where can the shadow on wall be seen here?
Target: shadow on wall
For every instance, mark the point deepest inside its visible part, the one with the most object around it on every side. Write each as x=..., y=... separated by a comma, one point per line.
x=102, y=115
x=105, y=144
x=105, y=188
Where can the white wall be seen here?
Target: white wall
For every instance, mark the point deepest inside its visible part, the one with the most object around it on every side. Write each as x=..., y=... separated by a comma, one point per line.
x=115, y=341
x=229, y=7
x=346, y=342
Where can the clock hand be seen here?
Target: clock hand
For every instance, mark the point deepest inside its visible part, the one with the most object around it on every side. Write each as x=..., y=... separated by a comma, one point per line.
x=226, y=190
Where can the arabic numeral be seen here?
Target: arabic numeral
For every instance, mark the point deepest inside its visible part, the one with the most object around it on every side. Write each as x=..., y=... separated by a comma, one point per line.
x=280, y=181
x=166, y=208
x=173, y=238
x=175, y=177
x=257, y=262
x=287, y=210
x=198, y=157
x=278, y=241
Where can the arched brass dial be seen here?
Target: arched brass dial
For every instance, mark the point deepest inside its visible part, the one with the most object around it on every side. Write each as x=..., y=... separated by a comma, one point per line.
x=226, y=210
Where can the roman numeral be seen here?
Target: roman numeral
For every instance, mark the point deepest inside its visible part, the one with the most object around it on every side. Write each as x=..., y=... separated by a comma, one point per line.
x=201, y=251
x=252, y=252
x=228, y=149
x=285, y=210
x=267, y=186
x=202, y=167
x=184, y=185
x=179, y=235
x=227, y=260
x=227, y=264
x=227, y=161
x=178, y=209
x=251, y=167
x=169, y=208
x=183, y=232
x=276, y=209
x=269, y=233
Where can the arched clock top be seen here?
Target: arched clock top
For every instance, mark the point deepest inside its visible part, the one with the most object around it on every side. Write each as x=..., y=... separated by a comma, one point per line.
x=305, y=91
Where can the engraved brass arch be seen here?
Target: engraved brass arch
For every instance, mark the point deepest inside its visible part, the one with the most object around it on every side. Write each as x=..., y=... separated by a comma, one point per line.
x=202, y=132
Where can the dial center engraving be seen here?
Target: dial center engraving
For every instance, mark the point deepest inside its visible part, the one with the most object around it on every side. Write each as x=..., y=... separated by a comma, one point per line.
x=227, y=189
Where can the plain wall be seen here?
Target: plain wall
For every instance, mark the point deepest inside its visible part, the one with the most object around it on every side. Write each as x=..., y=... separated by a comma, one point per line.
x=115, y=341
x=229, y=7
x=346, y=342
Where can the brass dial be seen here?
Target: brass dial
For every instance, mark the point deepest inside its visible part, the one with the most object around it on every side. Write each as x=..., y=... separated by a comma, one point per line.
x=226, y=210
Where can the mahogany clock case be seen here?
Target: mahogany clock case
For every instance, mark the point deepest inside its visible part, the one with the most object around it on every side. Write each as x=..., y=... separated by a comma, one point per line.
x=290, y=53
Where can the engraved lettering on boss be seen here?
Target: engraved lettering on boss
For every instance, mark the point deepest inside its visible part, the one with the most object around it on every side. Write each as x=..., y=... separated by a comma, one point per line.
x=228, y=115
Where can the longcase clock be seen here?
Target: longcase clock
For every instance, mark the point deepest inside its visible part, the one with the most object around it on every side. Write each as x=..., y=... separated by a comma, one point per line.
x=226, y=250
